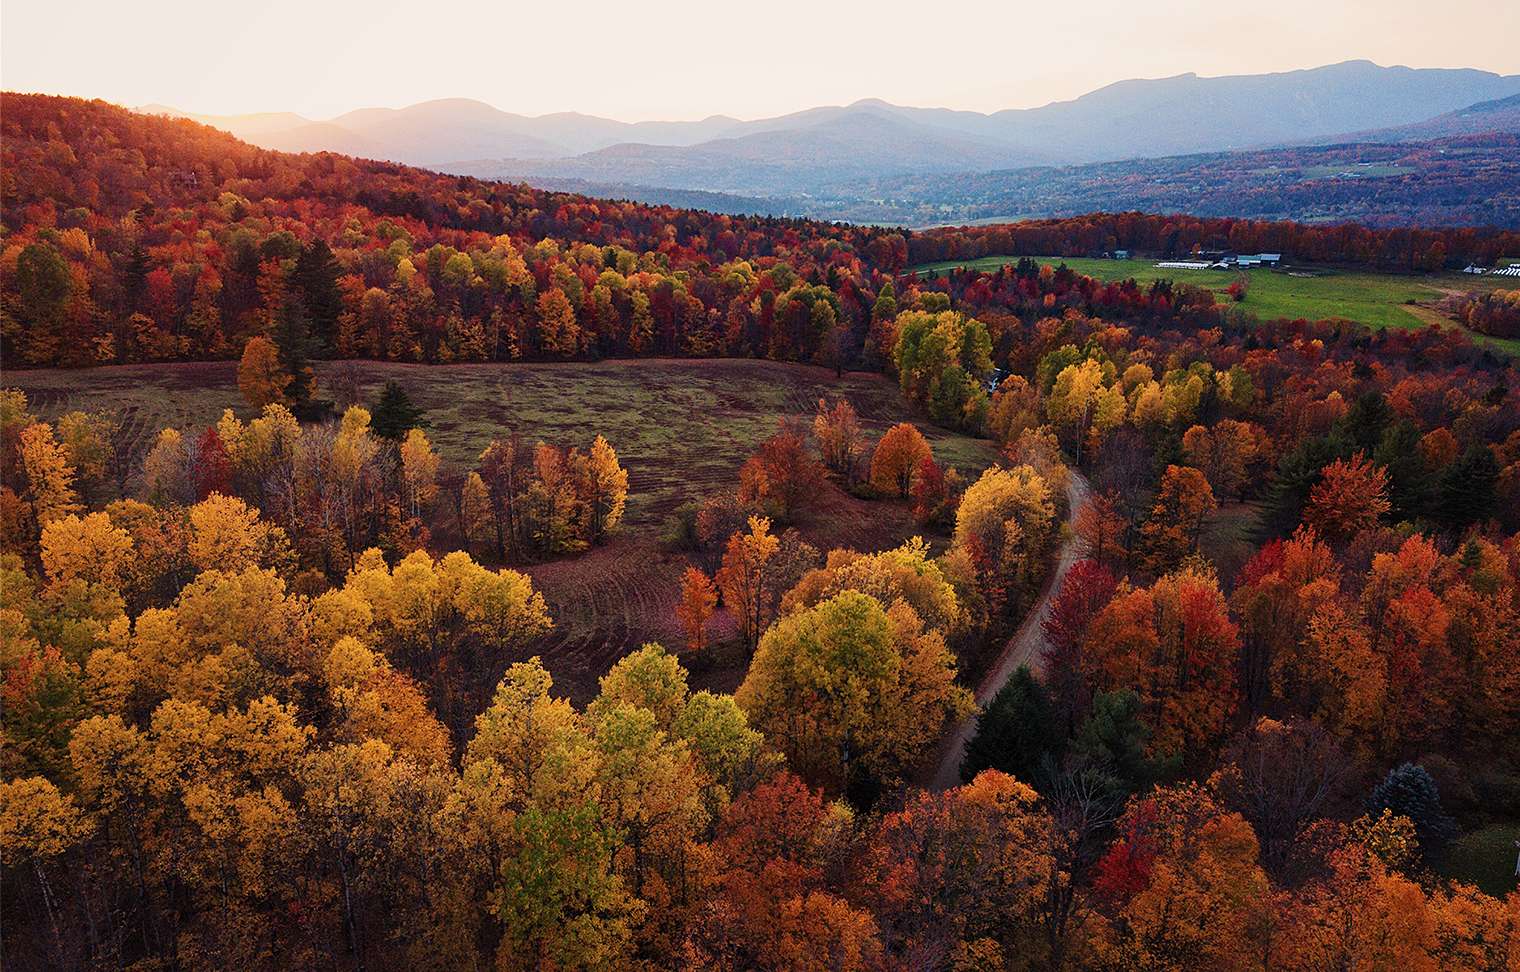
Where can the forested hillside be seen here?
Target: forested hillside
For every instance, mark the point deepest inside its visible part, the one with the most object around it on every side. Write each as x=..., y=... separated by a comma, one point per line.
x=135, y=238
x=277, y=688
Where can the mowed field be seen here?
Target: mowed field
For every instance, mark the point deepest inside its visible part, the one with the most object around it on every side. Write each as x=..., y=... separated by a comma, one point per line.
x=1375, y=299
x=681, y=428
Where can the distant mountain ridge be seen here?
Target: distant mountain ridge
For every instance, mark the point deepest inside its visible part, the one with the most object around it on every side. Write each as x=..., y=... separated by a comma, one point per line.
x=816, y=151
x=1498, y=115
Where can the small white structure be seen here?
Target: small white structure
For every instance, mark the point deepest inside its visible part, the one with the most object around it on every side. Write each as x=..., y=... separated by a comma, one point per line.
x=1513, y=270
x=1184, y=265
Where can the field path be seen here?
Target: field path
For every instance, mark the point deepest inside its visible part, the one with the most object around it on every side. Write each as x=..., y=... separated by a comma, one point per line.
x=1023, y=648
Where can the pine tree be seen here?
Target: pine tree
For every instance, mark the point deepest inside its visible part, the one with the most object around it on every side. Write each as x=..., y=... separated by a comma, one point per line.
x=316, y=277
x=394, y=414
x=1016, y=732
x=1410, y=791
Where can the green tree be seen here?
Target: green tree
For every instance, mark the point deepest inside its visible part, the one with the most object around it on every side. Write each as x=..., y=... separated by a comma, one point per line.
x=1016, y=732
x=394, y=414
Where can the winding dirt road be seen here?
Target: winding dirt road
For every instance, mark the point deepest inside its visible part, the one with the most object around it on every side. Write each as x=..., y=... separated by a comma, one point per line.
x=1023, y=648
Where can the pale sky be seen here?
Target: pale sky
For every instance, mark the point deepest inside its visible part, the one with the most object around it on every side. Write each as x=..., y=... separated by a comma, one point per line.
x=681, y=59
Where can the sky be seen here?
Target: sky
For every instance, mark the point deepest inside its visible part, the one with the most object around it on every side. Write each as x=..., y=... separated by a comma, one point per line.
x=684, y=60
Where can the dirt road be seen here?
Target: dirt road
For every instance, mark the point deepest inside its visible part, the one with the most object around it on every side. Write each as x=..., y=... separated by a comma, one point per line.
x=1023, y=648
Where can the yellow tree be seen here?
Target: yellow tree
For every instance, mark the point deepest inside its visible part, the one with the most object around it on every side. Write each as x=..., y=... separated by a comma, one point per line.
x=742, y=577
x=262, y=379
x=1082, y=402
x=603, y=487
x=166, y=469
x=86, y=440
x=474, y=508
x=38, y=825
x=851, y=692
x=49, y=477
x=92, y=549
x=419, y=471
x=226, y=534
x=1226, y=453
x=907, y=574
x=1004, y=524
x=898, y=455
x=559, y=335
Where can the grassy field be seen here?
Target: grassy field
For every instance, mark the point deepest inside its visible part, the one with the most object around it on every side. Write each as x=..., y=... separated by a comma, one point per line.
x=1375, y=299
x=681, y=428
x=1485, y=858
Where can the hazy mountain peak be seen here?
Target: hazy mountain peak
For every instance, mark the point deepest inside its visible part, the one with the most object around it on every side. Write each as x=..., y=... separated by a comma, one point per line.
x=804, y=150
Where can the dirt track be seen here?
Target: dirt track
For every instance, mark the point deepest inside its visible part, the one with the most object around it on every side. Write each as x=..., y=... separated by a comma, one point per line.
x=1023, y=648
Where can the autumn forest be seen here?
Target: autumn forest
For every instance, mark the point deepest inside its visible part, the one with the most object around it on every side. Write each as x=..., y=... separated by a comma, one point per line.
x=1037, y=622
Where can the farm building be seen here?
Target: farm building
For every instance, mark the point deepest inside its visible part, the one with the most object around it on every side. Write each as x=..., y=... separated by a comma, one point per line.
x=1513, y=270
x=1258, y=259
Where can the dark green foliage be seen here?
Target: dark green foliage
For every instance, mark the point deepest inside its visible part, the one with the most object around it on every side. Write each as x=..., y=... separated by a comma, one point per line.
x=44, y=282
x=316, y=277
x=1297, y=472
x=1465, y=492
x=292, y=336
x=1364, y=423
x=1410, y=791
x=1113, y=739
x=395, y=414
x=1408, y=480
x=1016, y=732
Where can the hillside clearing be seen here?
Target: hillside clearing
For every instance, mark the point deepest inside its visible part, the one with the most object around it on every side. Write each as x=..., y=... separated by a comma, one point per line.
x=681, y=428
x=1376, y=299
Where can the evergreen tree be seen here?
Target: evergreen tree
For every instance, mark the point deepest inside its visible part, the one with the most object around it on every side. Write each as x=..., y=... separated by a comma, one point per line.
x=1408, y=482
x=292, y=335
x=1410, y=791
x=395, y=414
x=1364, y=423
x=1466, y=489
x=1113, y=740
x=1297, y=472
x=1016, y=732
x=316, y=278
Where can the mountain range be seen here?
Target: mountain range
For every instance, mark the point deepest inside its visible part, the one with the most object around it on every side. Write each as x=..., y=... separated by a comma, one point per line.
x=837, y=152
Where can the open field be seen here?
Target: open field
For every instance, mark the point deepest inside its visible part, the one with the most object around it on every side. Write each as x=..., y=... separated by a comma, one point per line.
x=681, y=428
x=1484, y=857
x=1375, y=299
